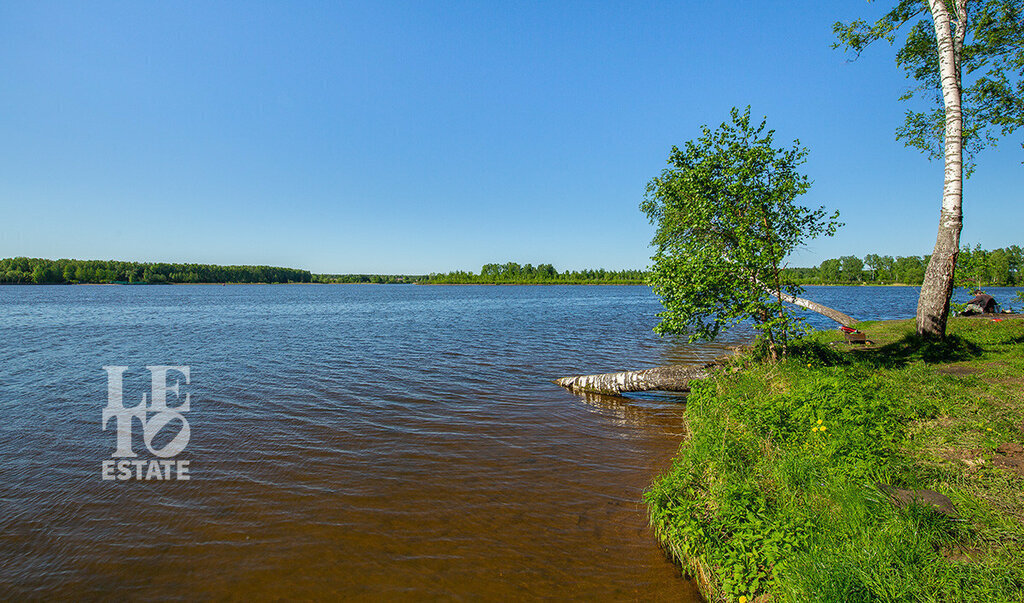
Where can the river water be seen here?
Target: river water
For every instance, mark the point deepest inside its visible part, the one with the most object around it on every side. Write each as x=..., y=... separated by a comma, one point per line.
x=352, y=441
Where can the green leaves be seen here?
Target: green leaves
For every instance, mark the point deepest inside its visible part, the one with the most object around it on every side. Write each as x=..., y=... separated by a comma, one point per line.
x=726, y=219
x=990, y=64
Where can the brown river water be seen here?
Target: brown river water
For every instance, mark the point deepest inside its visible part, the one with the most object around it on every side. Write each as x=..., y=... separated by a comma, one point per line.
x=356, y=442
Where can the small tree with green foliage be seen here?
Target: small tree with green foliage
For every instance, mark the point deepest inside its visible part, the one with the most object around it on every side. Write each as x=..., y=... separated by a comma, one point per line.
x=726, y=219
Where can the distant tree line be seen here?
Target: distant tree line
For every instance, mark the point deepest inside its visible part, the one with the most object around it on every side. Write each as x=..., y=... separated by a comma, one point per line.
x=976, y=267
x=376, y=279
x=512, y=273
x=42, y=271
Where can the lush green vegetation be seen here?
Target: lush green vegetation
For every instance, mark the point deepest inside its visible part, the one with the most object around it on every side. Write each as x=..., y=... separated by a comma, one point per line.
x=512, y=273
x=780, y=488
x=976, y=267
x=41, y=271
x=727, y=217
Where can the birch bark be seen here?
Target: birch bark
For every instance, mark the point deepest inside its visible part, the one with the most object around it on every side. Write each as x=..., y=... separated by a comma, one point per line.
x=933, y=303
x=835, y=315
x=676, y=377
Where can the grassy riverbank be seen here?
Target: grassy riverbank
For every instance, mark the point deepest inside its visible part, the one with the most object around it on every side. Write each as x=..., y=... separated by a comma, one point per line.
x=781, y=490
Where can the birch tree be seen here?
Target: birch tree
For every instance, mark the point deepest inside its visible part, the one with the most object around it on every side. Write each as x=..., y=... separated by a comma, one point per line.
x=726, y=219
x=948, y=39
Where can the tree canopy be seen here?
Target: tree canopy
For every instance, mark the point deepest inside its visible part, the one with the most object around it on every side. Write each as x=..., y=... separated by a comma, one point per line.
x=991, y=67
x=726, y=219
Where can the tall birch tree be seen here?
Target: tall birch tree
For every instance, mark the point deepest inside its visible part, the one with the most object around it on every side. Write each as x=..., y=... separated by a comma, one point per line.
x=984, y=40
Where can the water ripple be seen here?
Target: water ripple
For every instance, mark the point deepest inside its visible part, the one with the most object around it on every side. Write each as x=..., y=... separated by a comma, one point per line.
x=350, y=441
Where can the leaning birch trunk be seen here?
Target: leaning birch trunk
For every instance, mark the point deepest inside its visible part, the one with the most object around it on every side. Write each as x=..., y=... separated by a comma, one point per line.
x=835, y=315
x=825, y=311
x=937, y=288
x=667, y=378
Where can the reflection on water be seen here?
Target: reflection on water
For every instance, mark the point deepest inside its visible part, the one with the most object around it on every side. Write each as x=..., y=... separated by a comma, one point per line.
x=640, y=409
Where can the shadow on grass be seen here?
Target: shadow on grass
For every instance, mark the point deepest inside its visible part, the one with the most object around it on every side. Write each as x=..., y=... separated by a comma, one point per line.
x=1018, y=339
x=914, y=347
x=910, y=348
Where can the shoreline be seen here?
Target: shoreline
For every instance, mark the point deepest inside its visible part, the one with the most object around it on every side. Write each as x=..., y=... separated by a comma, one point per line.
x=314, y=283
x=784, y=487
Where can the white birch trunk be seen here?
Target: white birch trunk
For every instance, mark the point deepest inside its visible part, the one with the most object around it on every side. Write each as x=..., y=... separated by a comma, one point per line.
x=675, y=377
x=933, y=303
x=825, y=311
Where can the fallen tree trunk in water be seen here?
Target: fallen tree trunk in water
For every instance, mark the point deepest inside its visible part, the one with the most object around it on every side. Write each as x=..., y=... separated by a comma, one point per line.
x=677, y=377
x=674, y=378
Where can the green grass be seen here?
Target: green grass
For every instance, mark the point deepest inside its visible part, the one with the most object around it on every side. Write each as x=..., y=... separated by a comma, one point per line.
x=777, y=493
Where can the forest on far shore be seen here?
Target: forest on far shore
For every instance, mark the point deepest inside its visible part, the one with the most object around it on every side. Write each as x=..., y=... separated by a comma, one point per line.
x=975, y=268
x=42, y=271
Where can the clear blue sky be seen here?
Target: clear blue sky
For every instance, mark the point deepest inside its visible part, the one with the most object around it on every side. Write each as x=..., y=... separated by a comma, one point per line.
x=423, y=137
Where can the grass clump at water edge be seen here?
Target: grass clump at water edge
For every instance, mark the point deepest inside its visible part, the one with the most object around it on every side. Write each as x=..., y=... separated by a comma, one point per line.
x=783, y=490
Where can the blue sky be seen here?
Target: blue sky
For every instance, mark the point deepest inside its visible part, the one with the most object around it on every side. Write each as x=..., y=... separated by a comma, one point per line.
x=421, y=137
